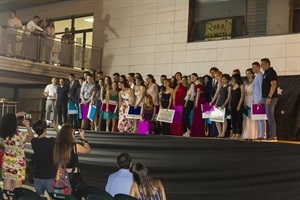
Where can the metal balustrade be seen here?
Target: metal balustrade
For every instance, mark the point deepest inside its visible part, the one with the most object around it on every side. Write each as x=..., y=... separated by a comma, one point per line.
x=36, y=47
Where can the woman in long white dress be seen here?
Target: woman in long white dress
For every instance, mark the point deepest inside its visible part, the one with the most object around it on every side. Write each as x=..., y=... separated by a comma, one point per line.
x=139, y=92
x=250, y=130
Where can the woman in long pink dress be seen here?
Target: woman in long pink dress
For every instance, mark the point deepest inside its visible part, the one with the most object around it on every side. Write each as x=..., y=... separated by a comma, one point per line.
x=152, y=88
x=178, y=100
x=198, y=125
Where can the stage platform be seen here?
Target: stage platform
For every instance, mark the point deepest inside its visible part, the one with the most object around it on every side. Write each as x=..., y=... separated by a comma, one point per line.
x=198, y=168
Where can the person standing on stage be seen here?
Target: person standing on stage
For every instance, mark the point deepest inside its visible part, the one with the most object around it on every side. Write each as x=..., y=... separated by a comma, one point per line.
x=62, y=102
x=86, y=96
x=50, y=92
x=257, y=98
x=73, y=85
x=269, y=95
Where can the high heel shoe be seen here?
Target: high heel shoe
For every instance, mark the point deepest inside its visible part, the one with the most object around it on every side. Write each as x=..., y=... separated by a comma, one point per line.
x=233, y=136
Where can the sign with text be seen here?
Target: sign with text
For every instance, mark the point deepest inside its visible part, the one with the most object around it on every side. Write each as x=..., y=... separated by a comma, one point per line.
x=218, y=29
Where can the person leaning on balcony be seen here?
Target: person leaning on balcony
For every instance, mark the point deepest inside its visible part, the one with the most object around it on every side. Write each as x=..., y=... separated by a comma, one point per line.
x=50, y=92
x=13, y=24
x=66, y=50
x=30, y=41
x=49, y=40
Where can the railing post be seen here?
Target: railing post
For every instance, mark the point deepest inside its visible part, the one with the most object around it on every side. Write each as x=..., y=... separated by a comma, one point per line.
x=38, y=53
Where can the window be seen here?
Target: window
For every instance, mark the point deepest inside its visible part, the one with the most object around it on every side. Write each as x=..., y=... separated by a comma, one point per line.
x=217, y=19
x=296, y=19
x=226, y=19
x=82, y=23
x=60, y=25
x=80, y=26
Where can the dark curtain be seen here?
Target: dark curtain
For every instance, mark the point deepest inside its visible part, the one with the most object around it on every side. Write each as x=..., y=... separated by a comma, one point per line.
x=287, y=112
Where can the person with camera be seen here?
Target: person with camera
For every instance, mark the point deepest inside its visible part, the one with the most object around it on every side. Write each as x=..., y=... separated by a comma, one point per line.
x=14, y=162
x=42, y=147
x=66, y=152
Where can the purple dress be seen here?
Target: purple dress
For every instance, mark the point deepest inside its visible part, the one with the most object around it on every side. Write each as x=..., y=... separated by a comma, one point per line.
x=148, y=115
x=198, y=126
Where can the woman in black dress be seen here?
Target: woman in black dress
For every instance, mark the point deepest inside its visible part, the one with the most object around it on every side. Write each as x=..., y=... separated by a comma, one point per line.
x=165, y=103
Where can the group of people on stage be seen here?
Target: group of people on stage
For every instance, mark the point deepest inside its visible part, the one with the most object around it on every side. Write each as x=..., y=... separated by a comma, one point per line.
x=236, y=95
x=189, y=92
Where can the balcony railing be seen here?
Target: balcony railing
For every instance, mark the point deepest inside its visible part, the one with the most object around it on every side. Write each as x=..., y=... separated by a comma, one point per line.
x=36, y=47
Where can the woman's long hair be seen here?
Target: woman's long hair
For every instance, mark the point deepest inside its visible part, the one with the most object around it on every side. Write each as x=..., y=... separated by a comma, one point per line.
x=238, y=79
x=146, y=183
x=8, y=126
x=141, y=80
x=63, y=145
x=149, y=97
x=125, y=83
x=151, y=77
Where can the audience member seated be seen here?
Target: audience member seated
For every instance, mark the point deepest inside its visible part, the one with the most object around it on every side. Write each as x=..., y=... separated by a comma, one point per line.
x=144, y=186
x=120, y=182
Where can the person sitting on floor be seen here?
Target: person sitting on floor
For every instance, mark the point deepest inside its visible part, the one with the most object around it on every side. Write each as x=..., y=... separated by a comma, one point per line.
x=144, y=186
x=120, y=182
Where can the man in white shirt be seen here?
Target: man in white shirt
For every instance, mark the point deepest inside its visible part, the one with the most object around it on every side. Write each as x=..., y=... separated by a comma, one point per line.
x=13, y=24
x=50, y=92
x=31, y=25
x=86, y=97
x=29, y=45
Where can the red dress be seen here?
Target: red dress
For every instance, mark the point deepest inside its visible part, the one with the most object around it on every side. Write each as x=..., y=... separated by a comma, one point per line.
x=177, y=129
x=198, y=126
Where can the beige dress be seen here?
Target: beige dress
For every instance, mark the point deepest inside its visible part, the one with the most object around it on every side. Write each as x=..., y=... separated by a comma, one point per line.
x=249, y=125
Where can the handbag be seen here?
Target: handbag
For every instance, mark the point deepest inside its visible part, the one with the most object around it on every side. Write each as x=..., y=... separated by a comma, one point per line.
x=2, y=151
x=1, y=157
x=62, y=184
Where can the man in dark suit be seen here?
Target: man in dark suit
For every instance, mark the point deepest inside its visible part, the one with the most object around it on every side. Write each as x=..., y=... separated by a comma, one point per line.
x=73, y=85
x=212, y=84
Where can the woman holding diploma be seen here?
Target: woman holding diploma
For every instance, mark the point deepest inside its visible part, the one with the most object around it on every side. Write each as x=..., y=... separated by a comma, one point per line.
x=165, y=103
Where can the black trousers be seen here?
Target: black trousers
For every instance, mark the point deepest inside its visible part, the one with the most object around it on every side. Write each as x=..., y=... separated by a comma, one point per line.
x=73, y=121
x=186, y=115
x=61, y=110
x=237, y=120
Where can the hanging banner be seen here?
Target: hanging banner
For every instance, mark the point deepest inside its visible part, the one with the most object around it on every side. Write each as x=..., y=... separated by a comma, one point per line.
x=218, y=29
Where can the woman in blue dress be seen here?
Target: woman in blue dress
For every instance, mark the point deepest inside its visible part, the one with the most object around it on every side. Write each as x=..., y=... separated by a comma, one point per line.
x=111, y=96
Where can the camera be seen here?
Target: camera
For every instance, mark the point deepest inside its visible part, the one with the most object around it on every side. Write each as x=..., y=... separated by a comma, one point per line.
x=27, y=116
x=49, y=122
x=76, y=133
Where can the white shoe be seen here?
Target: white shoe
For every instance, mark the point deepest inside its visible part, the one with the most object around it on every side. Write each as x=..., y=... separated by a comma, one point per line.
x=187, y=134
